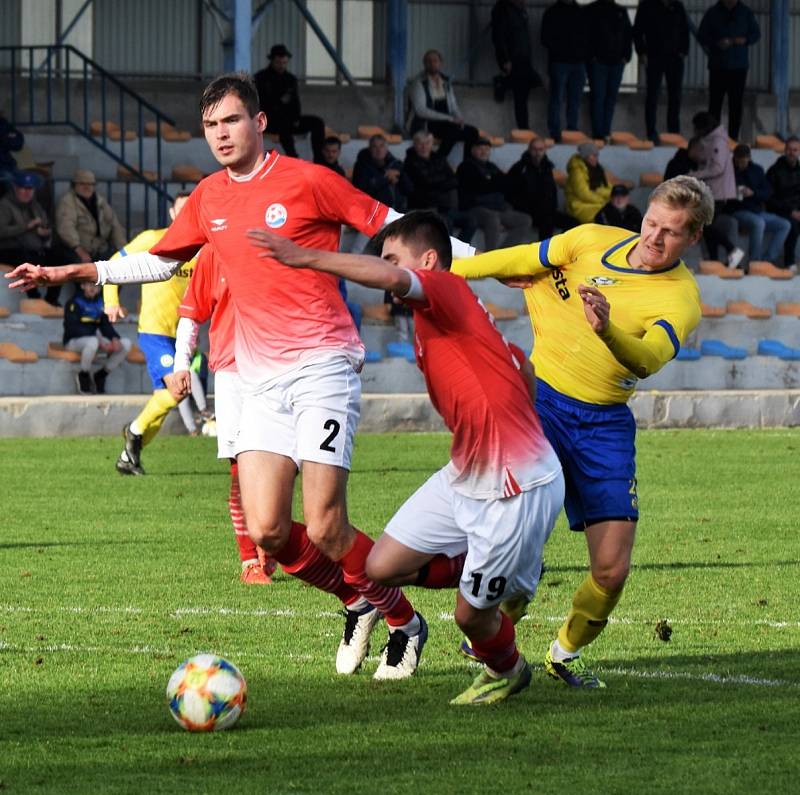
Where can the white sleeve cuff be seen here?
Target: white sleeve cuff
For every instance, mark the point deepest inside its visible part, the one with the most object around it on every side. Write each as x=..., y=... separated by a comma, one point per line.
x=136, y=269
x=415, y=291
x=185, y=343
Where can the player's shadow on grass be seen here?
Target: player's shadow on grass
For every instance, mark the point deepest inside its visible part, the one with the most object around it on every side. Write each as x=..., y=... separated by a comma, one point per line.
x=677, y=565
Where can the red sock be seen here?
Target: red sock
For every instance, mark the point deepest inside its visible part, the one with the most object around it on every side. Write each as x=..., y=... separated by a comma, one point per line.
x=396, y=609
x=442, y=572
x=500, y=652
x=247, y=549
x=300, y=558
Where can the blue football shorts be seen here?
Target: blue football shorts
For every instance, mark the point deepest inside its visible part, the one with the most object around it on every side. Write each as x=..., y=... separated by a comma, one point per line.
x=597, y=448
x=159, y=353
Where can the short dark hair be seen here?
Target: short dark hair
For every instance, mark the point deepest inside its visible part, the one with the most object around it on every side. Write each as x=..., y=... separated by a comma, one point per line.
x=332, y=139
x=704, y=122
x=792, y=139
x=377, y=137
x=741, y=150
x=421, y=230
x=239, y=83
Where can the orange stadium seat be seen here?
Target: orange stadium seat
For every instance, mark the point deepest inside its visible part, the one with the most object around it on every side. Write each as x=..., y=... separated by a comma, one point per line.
x=713, y=311
x=55, y=350
x=494, y=140
x=37, y=306
x=331, y=133
x=523, y=136
x=185, y=172
x=639, y=145
x=769, y=142
x=128, y=175
x=650, y=179
x=501, y=312
x=673, y=139
x=713, y=267
x=622, y=137
x=12, y=352
x=573, y=137
x=749, y=310
x=762, y=268
x=366, y=131
x=4, y=312
x=790, y=308
x=135, y=355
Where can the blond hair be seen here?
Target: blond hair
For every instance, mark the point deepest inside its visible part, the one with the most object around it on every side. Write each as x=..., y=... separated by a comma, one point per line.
x=687, y=193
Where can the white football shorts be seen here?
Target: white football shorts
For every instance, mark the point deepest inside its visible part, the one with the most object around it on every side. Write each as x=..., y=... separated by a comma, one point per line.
x=503, y=538
x=227, y=411
x=307, y=414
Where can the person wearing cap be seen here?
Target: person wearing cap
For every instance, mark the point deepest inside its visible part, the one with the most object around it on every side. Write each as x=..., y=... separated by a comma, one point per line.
x=279, y=99
x=587, y=189
x=481, y=193
x=85, y=221
x=26, y=234
x=619, y=211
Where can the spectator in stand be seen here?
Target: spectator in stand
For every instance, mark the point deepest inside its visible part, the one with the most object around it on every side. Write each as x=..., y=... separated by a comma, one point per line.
x=87, y=331
x=434, y=106
x=531, y=189
x=279, y=98
x=727, y=29
x=661, y=37
x=565, y=34
x=481, y=192
x=433, y=185
x=611, y=39
x=11, y=140
x=86, y=223
x=512, y=48
x=26, y=234
x=331, y=151
x=750, y=210
x=619, y=211
x=380, y=174
x=685, y=160
x=716, y=170
x=587, y=189
x=784, y=177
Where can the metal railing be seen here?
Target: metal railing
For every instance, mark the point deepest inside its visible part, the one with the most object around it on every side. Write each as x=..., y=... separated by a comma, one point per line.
x=58, y=86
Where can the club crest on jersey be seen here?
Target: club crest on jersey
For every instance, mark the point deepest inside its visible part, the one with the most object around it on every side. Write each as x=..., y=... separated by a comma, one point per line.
x=601, y=281
x=276, y=216
x=218, y=224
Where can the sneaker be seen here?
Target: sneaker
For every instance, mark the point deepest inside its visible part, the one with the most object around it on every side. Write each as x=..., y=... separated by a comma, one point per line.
x=254, y=574
x=400, y=656
x=354, y=645
x=735, y=258
x=572, y=672
x=84, y=383
x=100, y=381
x=488, y=688
x=515, y=607
x=129, y=461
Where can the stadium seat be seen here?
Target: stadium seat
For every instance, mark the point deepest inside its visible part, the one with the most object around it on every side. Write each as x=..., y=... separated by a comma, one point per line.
x=135, y=355
x=650, y=179
x=713, y=267
x=37, y=306
x=762, y=268
x=688, y=355
x=112, y=129
x=789, y=308
x=719, y=348
x=640, y=146
x=573, y=137
x=732, y=144
x=12, y=352
x=501, y=312
x=494, y=140
x=127, y=175
x=522, y=136
x=186, y=172
x=331, y=133
x=401, y=350
x=749, y=310
x=55, y=350
x=622, y=137
x=713, y=311
x=372, y=356
x=769, y=142
x=560, y=177
x=4, y=312
x=673, y=139
x=376, y=314
x=366, y=131
x=779, y=349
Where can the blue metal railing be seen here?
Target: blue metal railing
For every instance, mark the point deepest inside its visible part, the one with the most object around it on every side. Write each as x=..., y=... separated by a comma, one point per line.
x=36, y=72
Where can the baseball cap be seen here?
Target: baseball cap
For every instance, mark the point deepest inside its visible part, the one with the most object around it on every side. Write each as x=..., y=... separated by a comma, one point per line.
x=481, y=142
x=25, y=179
x=279, y=51
x=620, y=190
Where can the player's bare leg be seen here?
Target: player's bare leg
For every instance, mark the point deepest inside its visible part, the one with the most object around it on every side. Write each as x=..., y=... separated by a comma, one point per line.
x=393, y=563
x=492, y=638
x=610, y=546
x=325, y=508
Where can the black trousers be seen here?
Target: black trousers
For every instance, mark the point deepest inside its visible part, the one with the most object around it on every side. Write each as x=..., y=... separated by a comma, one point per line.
x=522, y=79
x=48, y=257
x=658, y=69
x=286, y=129
x=730, y=82
x=449, y=133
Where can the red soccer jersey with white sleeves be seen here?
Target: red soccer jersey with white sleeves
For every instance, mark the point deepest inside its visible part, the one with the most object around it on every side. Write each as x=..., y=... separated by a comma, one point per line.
x=474, y=381
x=207, y=297
x=284, y=317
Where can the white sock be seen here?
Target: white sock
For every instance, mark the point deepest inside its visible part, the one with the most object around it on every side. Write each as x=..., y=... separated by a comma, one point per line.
x=558, y=653
x=518, y=666
x=411, y=628
x=135, y=429
x=360, y=604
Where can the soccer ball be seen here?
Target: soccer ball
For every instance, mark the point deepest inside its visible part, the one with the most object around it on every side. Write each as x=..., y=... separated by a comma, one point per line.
x=206, y=693
x=209, y=428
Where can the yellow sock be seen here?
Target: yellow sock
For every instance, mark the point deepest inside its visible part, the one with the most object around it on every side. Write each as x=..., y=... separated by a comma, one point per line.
x=591, y=607
x=154, y=413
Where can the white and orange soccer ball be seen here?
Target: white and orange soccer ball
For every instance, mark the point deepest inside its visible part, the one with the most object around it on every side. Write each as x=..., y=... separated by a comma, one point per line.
x=206, y=693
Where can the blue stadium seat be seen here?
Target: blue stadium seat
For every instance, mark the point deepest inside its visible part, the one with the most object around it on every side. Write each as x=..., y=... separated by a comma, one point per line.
x=688, y=355
x=719, y=348
x=372, y=356
x=779, y=349
x=401, y=350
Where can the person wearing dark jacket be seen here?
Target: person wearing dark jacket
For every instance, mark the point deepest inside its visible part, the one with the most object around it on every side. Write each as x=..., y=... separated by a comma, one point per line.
x=512, y=48
x=11, y=140
x=331, y=150
x=619, y=211
x=531, y=188
x=611, y=49
x=481, y=192
x=565, y=34
x=380, y=174
x=433, y=185
x=784, y=177
x=279, y=99
x=685, y=160
x=88, y=330
x=750, y=209
x=727, y=29
x=661, y=37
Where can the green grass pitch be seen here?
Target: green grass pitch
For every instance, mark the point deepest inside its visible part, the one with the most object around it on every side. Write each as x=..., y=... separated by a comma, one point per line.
x=107, y=583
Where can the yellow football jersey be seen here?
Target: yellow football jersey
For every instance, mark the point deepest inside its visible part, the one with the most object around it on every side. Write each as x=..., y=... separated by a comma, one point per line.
x=160, y=300
x=652, y=312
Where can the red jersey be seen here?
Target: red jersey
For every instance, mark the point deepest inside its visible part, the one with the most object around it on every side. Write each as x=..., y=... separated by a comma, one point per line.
x=284, y=317
x=474, y=381
x=207, y=297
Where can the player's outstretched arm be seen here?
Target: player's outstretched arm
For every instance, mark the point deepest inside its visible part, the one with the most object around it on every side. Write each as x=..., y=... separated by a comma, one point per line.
x=28, y=275
x=359, y=268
